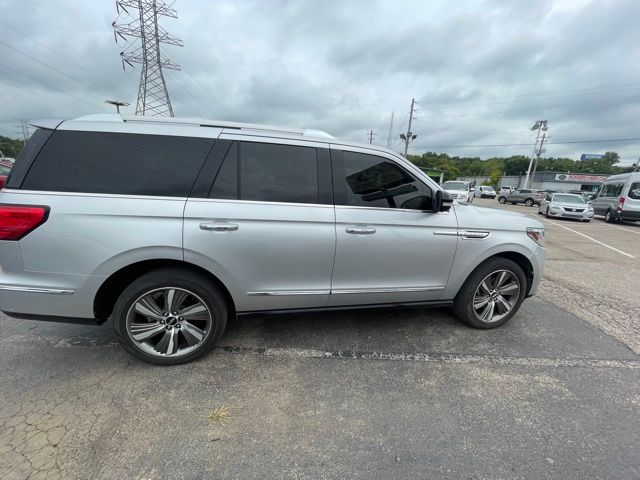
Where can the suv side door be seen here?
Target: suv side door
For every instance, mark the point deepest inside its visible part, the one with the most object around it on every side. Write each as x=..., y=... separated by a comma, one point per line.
x=389, y=248
x=261, y=218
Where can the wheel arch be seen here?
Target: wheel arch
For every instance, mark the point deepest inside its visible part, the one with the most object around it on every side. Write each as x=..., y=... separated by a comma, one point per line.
x=511, y=254
x=115, y=284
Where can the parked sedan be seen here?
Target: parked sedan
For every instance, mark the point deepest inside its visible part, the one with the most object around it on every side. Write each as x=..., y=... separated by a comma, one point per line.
x=566, y=205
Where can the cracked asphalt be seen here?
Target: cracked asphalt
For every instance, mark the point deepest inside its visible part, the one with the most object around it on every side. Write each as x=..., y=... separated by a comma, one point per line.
x=555, y=393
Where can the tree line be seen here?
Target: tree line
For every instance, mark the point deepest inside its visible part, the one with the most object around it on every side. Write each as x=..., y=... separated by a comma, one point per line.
x=10, y=147
x=496, y=167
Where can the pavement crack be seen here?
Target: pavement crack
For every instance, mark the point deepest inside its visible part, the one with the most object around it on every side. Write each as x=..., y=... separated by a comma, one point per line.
x=450, y=358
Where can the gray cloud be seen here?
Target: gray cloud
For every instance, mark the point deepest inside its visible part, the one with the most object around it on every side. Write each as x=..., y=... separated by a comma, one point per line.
x=482, y=71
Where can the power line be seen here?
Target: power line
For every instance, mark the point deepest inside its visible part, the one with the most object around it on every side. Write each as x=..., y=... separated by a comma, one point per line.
x=42, y=63
x=81, y=67
x=612, y=140
x=615, y=87
x=207, y=91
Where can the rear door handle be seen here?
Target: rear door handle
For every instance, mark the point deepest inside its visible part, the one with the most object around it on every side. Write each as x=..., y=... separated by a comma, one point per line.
x=219, y=227
x=360, y=230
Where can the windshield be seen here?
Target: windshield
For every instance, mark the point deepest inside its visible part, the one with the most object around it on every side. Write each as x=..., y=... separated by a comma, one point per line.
x=568, y=199
x=455, y=186
x=4, y=170
x=488, y=189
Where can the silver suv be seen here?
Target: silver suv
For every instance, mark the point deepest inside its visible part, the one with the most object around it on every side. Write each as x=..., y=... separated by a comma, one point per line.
x=169, y=227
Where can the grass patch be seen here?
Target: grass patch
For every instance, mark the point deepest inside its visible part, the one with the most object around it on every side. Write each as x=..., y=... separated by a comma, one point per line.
x=219, y=415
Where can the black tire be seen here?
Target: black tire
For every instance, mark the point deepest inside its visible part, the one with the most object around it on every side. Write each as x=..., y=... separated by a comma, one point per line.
x=502, y=200
x=608, y=217
x=529, y=202
x=178, y=278
x=463, y=303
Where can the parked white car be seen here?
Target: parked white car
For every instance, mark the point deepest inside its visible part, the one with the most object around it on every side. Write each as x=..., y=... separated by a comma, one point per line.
x=566, y=205
x=460, y=191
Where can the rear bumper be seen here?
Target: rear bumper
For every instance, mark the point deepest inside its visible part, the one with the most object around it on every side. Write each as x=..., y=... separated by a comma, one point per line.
x=58, y=296
x=631, y=215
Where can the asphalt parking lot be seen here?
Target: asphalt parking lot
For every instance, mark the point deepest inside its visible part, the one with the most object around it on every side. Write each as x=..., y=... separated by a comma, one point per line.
x=555, y=393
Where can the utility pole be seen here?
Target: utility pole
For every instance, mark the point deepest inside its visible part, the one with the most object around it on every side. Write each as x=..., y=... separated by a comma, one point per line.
x=24, y=126
x=409, y=136
x=539, y=126
x=370, y=136
x=153, y=96
x=390, y=131
x=541, y=150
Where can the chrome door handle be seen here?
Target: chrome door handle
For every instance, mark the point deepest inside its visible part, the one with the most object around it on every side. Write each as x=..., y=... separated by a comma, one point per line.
x=219, y=227
x=360, y=230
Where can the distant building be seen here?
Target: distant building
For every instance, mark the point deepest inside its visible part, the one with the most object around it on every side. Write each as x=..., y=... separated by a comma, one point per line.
x=559, y=181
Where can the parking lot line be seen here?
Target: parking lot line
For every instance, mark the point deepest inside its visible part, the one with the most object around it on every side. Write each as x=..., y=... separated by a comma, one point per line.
x=627, y=229
x=585, y=236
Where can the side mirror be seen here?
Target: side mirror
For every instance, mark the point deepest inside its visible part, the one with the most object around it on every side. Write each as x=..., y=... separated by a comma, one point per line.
x=444, y=201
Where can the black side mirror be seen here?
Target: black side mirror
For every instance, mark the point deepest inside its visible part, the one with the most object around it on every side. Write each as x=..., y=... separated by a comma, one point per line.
x=446, y=202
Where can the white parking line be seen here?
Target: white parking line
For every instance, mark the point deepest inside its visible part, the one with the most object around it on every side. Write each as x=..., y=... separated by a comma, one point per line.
x=585, y=236
x=627, y=229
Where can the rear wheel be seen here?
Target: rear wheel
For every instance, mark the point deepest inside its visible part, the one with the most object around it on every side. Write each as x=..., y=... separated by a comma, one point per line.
x=608, y=217
x=170, y=316
x=528, y=202
x=492, y=294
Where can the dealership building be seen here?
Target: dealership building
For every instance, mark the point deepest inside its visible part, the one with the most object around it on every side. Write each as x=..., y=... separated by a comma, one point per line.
x=558, y=181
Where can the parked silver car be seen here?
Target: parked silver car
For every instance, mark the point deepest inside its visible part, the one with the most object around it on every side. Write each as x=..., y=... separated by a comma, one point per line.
x=566, y=205
x=170, y=226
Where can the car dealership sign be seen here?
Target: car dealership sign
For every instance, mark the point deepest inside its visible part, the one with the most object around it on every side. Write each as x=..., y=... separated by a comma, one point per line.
x=580, y=177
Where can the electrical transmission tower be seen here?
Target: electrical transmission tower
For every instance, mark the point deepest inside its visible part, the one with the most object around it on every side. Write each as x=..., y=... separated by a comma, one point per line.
x=153, y=96
x=539, y=126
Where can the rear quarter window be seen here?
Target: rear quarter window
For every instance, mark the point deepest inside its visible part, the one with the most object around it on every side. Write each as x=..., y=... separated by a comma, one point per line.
x=634, y=191
x=118, y=163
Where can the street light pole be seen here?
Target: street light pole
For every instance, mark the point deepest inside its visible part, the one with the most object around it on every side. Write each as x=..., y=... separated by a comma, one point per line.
x=540, y=125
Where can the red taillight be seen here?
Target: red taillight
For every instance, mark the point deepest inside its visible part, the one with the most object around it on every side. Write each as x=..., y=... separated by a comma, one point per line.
x=621, y=204
x=16, y=220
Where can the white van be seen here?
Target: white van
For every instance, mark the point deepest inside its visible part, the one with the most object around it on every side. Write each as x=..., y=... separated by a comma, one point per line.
x=619, y=198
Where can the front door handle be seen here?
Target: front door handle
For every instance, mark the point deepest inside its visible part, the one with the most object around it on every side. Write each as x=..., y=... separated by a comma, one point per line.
x=360, y=230
x=219, y=227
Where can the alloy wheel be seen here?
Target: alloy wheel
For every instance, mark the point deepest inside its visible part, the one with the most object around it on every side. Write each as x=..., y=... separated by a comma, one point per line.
x=168, y=322
x=496, y=296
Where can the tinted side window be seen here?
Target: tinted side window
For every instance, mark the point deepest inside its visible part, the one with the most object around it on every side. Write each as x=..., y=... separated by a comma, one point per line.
x=268, y=172
x=371, y=181
x=634, y=191
x=118, y=163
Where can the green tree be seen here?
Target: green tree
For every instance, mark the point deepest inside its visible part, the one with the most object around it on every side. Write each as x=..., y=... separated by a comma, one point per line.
x=10, y=147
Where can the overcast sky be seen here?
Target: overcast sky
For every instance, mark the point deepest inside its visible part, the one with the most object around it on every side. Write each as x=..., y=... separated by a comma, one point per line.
x=481, y=71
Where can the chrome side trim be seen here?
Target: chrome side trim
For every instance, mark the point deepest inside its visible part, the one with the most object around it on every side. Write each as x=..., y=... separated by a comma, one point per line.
x=53, y=291
x=464, y=233
x=474, y=233
x=341, y=291
x=277, y=293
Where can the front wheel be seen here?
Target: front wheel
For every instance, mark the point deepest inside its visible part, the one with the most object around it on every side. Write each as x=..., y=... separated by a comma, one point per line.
x=170, y=316
x=502, y=200
x=529, y=202
x=492, y=294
